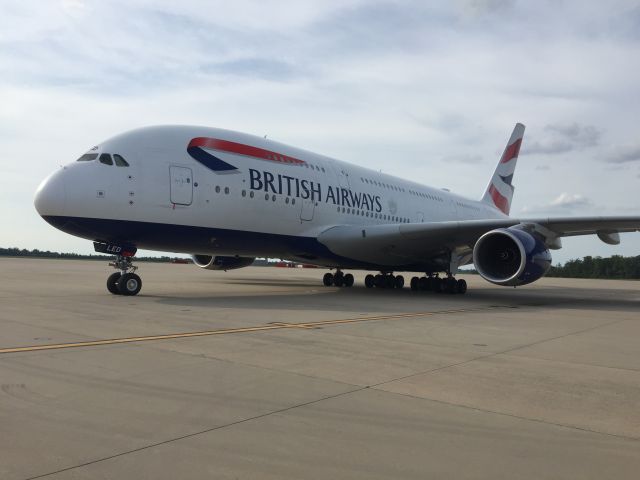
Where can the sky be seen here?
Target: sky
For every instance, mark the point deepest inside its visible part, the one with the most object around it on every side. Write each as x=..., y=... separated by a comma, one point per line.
x=423, y=90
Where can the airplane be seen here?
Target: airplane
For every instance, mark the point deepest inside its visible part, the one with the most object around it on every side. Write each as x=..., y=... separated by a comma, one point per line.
x=226, y=197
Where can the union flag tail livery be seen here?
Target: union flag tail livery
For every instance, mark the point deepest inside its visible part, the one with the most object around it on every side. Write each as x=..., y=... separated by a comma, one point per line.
x=499, y=193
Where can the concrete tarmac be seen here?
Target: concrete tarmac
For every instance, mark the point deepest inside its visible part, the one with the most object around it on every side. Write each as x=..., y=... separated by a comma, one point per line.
x=263, y=373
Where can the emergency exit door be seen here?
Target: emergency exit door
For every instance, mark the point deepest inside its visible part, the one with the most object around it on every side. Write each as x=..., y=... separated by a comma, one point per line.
x=181, y=185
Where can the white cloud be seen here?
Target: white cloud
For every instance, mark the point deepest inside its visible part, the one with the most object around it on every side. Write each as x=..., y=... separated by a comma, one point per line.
x=624, y=154
x=565, y=138
x=565, y=202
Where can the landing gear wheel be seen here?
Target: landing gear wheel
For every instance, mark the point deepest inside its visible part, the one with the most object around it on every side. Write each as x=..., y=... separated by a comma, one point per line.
x=327, y=280
x=379, y=281
x=415, y=283
x=423, y=283
x=437, y=285
x=399, y=281
x=348, y=280
x=112, y=283
x=129, y=284
x=450, y=285
x=338, y=280
x=461, y=286
x=369, y=281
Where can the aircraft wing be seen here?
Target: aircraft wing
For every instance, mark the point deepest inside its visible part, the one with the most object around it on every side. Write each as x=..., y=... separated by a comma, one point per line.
x=411, y=242
x=570, y=226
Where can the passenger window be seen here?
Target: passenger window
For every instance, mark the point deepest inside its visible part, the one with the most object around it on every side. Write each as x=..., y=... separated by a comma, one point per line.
x=87, y=157
x=106, y=159
x=120, y=161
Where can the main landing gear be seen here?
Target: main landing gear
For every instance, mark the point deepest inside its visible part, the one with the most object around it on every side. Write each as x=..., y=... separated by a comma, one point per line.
x=124, y=282
x=338, y=279
x=384, y=280
x=439, y=285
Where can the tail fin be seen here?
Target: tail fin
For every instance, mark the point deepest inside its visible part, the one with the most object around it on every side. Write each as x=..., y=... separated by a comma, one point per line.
x=500, y=190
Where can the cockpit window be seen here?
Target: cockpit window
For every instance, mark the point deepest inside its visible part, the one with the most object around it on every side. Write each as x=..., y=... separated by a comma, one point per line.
x=120, y=161
x=106, y=159
x=87, y=157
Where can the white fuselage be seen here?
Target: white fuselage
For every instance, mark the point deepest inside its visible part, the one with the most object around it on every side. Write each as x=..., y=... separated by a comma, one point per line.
x=229, y=193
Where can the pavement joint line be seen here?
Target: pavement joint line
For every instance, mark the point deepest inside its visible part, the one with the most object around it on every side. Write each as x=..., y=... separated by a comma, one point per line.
x=226, y=331
x=292, y=325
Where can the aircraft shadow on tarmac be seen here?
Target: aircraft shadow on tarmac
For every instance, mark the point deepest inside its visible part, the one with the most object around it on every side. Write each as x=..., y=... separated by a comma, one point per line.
x=351, y=299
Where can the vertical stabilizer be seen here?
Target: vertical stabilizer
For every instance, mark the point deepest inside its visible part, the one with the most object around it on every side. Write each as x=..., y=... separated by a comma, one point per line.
x=500, y=190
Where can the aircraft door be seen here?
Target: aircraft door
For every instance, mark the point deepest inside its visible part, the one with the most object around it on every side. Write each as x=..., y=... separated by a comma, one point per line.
x=307, y=210
x=181, y=185
x=342, y=175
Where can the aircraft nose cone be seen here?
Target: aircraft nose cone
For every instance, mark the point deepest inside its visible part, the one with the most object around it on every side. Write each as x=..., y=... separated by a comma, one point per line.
x=51, y=195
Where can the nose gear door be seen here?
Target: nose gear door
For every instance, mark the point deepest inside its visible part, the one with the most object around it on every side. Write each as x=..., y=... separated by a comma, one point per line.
x=181, y=185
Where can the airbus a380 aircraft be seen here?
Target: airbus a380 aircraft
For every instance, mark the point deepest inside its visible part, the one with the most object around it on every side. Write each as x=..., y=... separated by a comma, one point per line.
x=227, y=197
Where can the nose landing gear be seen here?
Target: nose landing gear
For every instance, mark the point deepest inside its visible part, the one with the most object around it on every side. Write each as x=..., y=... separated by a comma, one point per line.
x=125, y=281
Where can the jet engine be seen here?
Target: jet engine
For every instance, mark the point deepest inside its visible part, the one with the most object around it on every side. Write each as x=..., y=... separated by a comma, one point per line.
x=217, y=262
x=511, y=257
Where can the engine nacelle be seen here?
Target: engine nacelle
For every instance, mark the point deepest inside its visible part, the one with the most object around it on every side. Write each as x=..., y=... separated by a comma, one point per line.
x=509, y=256
x=217, y=262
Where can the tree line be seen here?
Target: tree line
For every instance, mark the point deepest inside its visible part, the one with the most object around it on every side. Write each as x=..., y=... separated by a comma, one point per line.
x=616, y=267
x=35, y=253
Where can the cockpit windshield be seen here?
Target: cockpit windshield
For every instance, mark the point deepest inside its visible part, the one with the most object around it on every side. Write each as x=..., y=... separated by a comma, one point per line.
x=120, y=161
x=105, y=158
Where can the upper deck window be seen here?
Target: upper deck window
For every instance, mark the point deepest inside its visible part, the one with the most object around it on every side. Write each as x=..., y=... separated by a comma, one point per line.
x=120, y=161
x=87, y=157
x=106, y=159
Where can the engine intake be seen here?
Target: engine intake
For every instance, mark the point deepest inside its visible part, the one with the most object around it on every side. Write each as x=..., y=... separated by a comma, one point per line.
x=217, y=262
x=510, y=256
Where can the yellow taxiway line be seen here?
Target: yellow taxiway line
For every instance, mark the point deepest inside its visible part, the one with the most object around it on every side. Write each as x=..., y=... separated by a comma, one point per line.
x=226, y=331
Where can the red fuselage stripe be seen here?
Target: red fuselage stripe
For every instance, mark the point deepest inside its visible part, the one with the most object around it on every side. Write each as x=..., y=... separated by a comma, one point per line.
x=242, y=149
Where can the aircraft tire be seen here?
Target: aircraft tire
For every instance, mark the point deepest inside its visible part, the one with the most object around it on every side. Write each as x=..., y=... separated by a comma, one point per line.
x=451, y=286
x=399, y=281
x=461, y=286
x=327, y=279
x=129, y=284
x=423, y=283
x=112, y=283
x=414, y=283
x=348, y=280
x=369, y=281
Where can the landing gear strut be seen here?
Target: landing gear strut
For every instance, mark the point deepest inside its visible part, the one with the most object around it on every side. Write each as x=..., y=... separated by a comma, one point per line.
x=125, y=281
x=338, y=279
